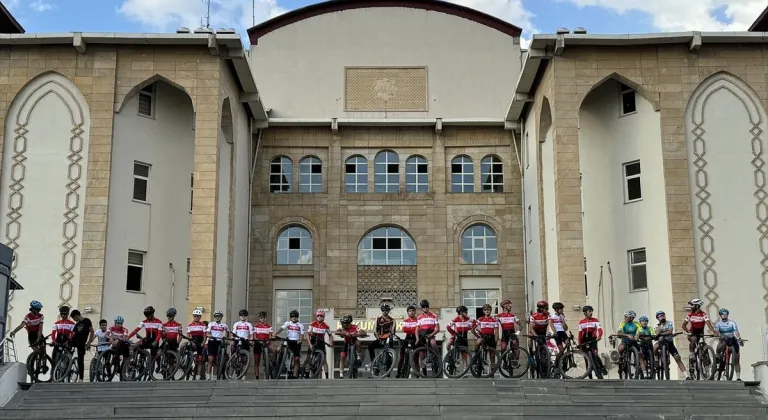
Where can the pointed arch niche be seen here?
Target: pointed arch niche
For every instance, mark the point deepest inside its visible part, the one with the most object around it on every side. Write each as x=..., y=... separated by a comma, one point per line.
x=43, y=185
x=725, y=126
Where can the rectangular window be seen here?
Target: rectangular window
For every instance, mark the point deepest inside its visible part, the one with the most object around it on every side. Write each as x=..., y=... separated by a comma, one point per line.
x=191, y=191
x=627, y=96
x=189, y=269
x=134, y=277
x=147, y=101
x=141, y=182
x=638, y=277
x=288, y=300
x=632, y=189
x=474, y=300
x=528, y=232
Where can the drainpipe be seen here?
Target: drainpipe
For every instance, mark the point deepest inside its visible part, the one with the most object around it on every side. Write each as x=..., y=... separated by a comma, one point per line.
x=254, y=152
x=173, y=283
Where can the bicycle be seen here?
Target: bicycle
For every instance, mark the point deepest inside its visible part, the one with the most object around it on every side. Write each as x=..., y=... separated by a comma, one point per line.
x=39, y=362
x=384, y=362
x=541, y=357
x=456, y=362
x=269, y=359
x=569, y=360
x=188, y=361
x=514, y=360
x=313, y=364
x=138, y=363
x=426, y=364
x=66, y=364
x=724, y=360
x=704, y=356
x=107, y=364
x=662, y=363
x=405, y=364
x=589, y=348
x=165, y=363
x=284, y=363
x=483, y=357
x=236, y=366
x=645, y=343
x=352, y=364
x=629, y=359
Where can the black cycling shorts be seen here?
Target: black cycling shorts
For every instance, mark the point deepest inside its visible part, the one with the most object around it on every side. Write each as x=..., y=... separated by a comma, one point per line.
x=317, y=343
x=489, y=340
x=561, y=337
x=213, y=347
x=507, y=335
x=295, y=347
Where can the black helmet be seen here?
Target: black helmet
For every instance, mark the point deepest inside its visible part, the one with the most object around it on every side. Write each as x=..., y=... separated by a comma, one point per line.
x=149, y=310
x=410, y=307
x=294, y=313
x=424, y=304
x=64, y=310
x=557, y=305
x=385, y=308
x=586, y=308
x=170, y=312
x=263, y=314
x=243, y=312
x=346, y=320
x=461, y=309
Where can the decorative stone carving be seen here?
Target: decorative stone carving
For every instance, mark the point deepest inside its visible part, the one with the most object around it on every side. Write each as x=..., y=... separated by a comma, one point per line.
x=385, y=89
x=398, y=282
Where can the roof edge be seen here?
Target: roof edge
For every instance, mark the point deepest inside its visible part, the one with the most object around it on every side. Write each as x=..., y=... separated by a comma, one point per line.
x=761, y=23
x=11, y=18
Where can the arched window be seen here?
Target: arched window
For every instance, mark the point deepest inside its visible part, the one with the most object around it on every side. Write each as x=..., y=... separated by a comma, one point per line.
x=416, y=175
x=356, y=175
x=386, y=170
x=386, y=246
x=462, y=174
x=294, y=246
x=479, y=245
x=281, y=174
x=310, y=175
x=492, y=174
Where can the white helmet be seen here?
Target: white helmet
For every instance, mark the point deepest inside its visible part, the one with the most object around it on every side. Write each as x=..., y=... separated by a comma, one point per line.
x=696, y=302
x=197, y=312
x=218, y=313
x=630, y=314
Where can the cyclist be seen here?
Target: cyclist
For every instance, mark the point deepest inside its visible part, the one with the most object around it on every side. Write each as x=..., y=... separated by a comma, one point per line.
x=295, y=334
x=589, y=330
x=316, y=333
x=729, y=336
x=694, y=325
x=243, y=329
x=32, y=322
x=385, y=327
x=665, y=329
x=196, y=332
x=351, y=333
x=63, y=330
x=628, y=330
x=216, y=331
x=262, y=333
x=82, y=335
x=539, y=322
x=558, y=325
x=153, y=328
x=488, y=327
x=459, y=327
x=508, y=320
x=171, y=330
x=409, y=326
x=428, y=327
x=645, y=346
x=102, y=343
x=118, y=339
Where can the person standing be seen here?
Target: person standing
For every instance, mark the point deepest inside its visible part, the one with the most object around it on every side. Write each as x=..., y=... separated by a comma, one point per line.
x=82, y=337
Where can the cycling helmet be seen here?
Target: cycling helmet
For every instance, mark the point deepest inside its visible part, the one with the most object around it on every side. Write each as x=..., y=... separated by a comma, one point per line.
x=542, y=304
x=410, y=307
x=218, y=313
x=119, y=320
x=171, y=312
x=243, y=312
x=346, y=320
x=424, y=304
x=35, y=305
x=197, y=312
x=587, y=308
x=723, y=311
x=660, y=313
x=487, y=306
x=630, y=313
x=319, y=312
x=557, y=305
x=294, y=313
x=696, y=302
x=263, y=314
x=149, y=310
x=461, y=309
x=64, y=310
x=385, y=308
x=506, y=302
x=643, y=318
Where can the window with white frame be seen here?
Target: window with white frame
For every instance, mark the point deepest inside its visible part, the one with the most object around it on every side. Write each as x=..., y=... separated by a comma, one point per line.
x=294, y=246
x=189, y=277
x=479, y=245
x=141, y=182
x=191, y=191
x=310, y=175
x=147, y=101
x=492, y=174
x=288, y=300
x=416, y=175
x=135, y=274
x=633, y=191
x=474, y=299
x=386, y=172
x=528, y=232
x=386, y=246
x=627, y=97
x=356, y=175
x=281, y=174
x=462, y=174
x=638, y=274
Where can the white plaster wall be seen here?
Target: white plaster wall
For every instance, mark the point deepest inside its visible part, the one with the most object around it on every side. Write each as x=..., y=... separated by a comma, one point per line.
x=611, y=227
x=726, y=109
x=48, y=107
x=289, y=63
x=161, y=228
x=530, y=186
x=222, y=228
x=550, y=216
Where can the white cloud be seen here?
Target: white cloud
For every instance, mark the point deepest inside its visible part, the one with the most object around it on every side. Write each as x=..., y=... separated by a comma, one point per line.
x=39, y=6
x=686, y=15
x=512, y=11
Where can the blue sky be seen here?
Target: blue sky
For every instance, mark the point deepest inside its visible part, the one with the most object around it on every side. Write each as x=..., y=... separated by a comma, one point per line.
x=534, y=16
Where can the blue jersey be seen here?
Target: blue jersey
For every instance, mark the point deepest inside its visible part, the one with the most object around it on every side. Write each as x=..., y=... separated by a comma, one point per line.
x=726, y=328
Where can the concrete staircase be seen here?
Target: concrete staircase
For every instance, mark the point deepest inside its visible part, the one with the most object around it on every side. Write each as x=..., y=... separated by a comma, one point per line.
x=474, y=399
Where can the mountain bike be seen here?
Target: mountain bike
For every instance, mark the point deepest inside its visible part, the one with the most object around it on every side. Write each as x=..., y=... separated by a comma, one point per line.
x=724, y=361
x=236, y=366
x=66, y=364
x=569, y=360
x=514, y=360
x=645, y=343
x=589, y=348
x=629, y=359
x=702, y=366
x=541, y=358
x=138, y=363
x=383, y=363
x=485, y=361
x=426, y=362
x=457, y=361
x=165, y=364
x=39, y=363
x=187, y=360
x=662, y=362
x=405, y=364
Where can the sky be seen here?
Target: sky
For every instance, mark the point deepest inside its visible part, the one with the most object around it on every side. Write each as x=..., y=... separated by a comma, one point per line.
x=534, y=16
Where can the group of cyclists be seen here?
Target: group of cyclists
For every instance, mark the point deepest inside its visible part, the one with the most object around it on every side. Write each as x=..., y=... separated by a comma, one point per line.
x=490, y=330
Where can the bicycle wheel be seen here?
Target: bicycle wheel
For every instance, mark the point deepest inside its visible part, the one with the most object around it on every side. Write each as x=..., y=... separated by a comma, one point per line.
x=136, y=366
x=284, y=360
x=728, y=366
x=484, y=363
x=238, y=364
x=706, y=357
x=575, y=365
x=633, y=363
x=73, y=374
x=456, y=362
x=514, y=363
x=61, y=370
x=664, y=372
x=427, y=363
x=166, y=366
x=543, y=361
x=650, y=364
x=40, y=367
x=316, y=362
x=382, y=364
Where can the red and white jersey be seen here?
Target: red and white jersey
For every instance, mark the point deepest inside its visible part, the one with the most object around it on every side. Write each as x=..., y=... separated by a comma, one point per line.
x=294, y=330
x=487, y=325
x=117, y=333
x=171, y=330
x=196, y=329
x=427, y=321
x=262, y=331
x=697, y=319
x=540, y=322
x=507, y=320
x=557, y=322
x=318, y=329
x=64, y=328
x=32, y=321
x=461, y=325
x=351, y=330
x=242, y=329
x=153, y=327
x=409, y=326
x=589, y=328
x=217, y=330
